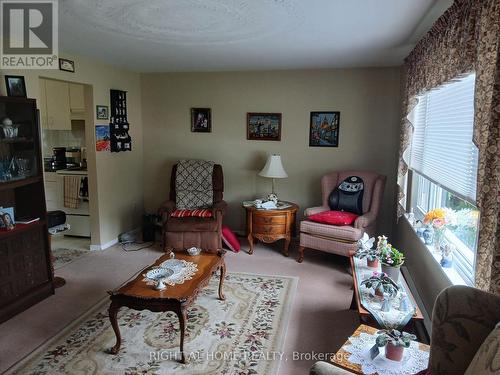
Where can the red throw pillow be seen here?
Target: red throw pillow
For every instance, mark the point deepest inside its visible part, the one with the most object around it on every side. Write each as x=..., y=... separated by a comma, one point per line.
x=334, y=217
x=192, y=213
x=230, y=239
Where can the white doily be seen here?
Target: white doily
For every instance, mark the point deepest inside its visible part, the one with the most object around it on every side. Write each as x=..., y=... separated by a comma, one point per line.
x=181, y=274
x=414, y=359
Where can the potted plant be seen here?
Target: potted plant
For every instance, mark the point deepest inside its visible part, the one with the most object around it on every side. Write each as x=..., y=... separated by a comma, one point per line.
x=366, y=250
x=392, y=259
x=381, y=284
x=395, y=343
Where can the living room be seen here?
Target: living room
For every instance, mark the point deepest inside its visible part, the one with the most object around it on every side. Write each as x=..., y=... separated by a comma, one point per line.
x=344, y=132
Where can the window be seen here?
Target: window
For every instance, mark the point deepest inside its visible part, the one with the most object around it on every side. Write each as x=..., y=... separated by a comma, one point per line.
x=443, y=160
x=462, y=230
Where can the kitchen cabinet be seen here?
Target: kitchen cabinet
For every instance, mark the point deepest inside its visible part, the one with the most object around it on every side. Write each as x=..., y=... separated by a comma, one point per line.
x=57, y=107
x=61, y=102
x=77, y=101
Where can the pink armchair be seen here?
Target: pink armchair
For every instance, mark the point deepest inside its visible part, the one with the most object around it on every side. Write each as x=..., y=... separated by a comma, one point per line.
x=342, y=239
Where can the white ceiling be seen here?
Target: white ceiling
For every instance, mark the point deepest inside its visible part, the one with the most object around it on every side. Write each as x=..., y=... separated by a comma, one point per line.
x=206, y=35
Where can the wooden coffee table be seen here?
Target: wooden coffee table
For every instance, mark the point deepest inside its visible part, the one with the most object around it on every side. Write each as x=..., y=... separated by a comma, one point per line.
x=138, y=295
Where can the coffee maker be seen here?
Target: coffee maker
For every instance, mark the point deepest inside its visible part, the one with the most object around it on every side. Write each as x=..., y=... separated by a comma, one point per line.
x=58, y=160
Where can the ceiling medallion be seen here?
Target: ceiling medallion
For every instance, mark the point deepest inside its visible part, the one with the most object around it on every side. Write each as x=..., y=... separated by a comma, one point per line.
x=185, y=21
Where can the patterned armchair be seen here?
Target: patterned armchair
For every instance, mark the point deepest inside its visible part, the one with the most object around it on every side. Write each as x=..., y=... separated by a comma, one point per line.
x=464, y=338
x=181, y=233
x=342, y=239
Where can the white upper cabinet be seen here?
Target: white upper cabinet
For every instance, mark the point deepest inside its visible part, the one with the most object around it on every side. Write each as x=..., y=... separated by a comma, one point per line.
x=76, y=98
x=60, y=102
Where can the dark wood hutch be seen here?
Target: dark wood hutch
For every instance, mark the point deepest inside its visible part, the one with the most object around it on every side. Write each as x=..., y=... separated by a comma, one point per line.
x=25, y=274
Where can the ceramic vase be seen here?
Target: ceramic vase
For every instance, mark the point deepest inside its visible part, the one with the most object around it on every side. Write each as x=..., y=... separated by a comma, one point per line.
x=428, y=236
x=372, y=263
x=393, y=352
x=392, y=272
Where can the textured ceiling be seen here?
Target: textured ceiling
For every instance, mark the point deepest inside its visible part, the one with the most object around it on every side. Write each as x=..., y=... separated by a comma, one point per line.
x=201, y=35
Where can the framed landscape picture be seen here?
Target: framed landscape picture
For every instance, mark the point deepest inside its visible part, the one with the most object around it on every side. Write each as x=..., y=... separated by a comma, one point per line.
x=324, y=129
x=201, y=120
x=264, y=126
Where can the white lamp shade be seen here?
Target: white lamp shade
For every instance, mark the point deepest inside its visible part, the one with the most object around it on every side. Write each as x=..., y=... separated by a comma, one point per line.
x=273, y=168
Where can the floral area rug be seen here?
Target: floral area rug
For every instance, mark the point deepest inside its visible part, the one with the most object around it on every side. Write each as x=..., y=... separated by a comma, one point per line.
x=65, y=256
x=242, y=335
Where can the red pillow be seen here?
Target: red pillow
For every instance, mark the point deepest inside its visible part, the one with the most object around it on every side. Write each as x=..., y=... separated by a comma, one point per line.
x=192, y=213
x=230, y=239
x=334, y=217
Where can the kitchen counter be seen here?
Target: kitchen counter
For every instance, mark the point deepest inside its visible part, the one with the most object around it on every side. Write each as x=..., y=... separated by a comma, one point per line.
x=80, y=172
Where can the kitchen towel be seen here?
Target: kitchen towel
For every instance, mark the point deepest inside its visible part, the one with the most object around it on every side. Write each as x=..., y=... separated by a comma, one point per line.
x=71, y=191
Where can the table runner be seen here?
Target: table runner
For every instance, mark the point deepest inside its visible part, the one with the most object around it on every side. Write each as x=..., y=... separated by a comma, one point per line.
x=394, y=318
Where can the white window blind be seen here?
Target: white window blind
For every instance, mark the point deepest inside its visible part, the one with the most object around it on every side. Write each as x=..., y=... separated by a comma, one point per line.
x=442, y=148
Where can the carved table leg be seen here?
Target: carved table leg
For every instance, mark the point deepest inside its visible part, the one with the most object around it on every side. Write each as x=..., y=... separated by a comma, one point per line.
x=286, y=246
x=221, y=282
x=250, y=242
x=301, y=254
x=181, y=314
x=113, y=312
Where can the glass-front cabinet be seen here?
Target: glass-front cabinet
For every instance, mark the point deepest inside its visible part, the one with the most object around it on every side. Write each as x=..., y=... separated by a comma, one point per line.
x=18, y=140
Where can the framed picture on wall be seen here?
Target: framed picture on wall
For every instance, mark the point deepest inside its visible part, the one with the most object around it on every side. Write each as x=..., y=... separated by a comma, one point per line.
x=264, y=126
x=102, y=112
x=67, y=65
x=324, y=129
x=15, y=86
x=201, y=120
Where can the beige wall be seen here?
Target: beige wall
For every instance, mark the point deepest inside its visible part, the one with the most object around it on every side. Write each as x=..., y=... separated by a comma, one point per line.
x=117, y=178
x=368, y=100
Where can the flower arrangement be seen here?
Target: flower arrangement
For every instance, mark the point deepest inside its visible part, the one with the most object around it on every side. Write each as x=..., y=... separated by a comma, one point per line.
x=437, y=218
x=381, y=283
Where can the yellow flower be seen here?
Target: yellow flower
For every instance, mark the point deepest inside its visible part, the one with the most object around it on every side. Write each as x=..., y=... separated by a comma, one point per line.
x=437, y=213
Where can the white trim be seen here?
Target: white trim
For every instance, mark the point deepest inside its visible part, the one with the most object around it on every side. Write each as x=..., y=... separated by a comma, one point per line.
x=104, y=246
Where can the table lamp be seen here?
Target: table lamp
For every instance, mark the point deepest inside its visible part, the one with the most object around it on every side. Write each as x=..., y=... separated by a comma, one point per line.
x=273, y=169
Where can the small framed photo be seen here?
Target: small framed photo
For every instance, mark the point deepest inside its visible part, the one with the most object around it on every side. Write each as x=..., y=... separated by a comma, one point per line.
x=324, y=129
x=264, y=126
x=201, y=120
x=102, y=112
x=67, y=65
x=15, y=86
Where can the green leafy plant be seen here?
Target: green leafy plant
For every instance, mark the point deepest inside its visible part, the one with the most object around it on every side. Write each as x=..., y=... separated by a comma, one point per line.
x=382, y=283
x=395, y=337
x=390, y=256
x=370, y=254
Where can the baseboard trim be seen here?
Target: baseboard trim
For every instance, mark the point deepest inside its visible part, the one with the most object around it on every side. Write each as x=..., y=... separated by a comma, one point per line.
x=104, y=246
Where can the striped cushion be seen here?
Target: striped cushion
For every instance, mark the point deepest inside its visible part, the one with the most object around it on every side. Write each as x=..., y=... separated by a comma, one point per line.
x=192, y=213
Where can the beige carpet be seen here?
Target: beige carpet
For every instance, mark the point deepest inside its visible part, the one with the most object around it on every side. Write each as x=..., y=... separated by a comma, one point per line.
x=320, y=320
x=242, y=335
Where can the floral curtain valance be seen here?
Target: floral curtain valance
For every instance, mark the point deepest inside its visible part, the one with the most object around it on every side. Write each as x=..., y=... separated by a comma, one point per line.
x=464, y=39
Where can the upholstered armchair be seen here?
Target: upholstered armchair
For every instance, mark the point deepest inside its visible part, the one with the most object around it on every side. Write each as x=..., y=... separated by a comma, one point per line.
x=180, y=233
x=342, y=239
x=465, y=337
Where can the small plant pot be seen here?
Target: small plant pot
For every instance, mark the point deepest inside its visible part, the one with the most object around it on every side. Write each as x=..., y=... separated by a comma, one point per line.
x=379, y=293
x=393, y=352
x=392, y=272
x=372, y=263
